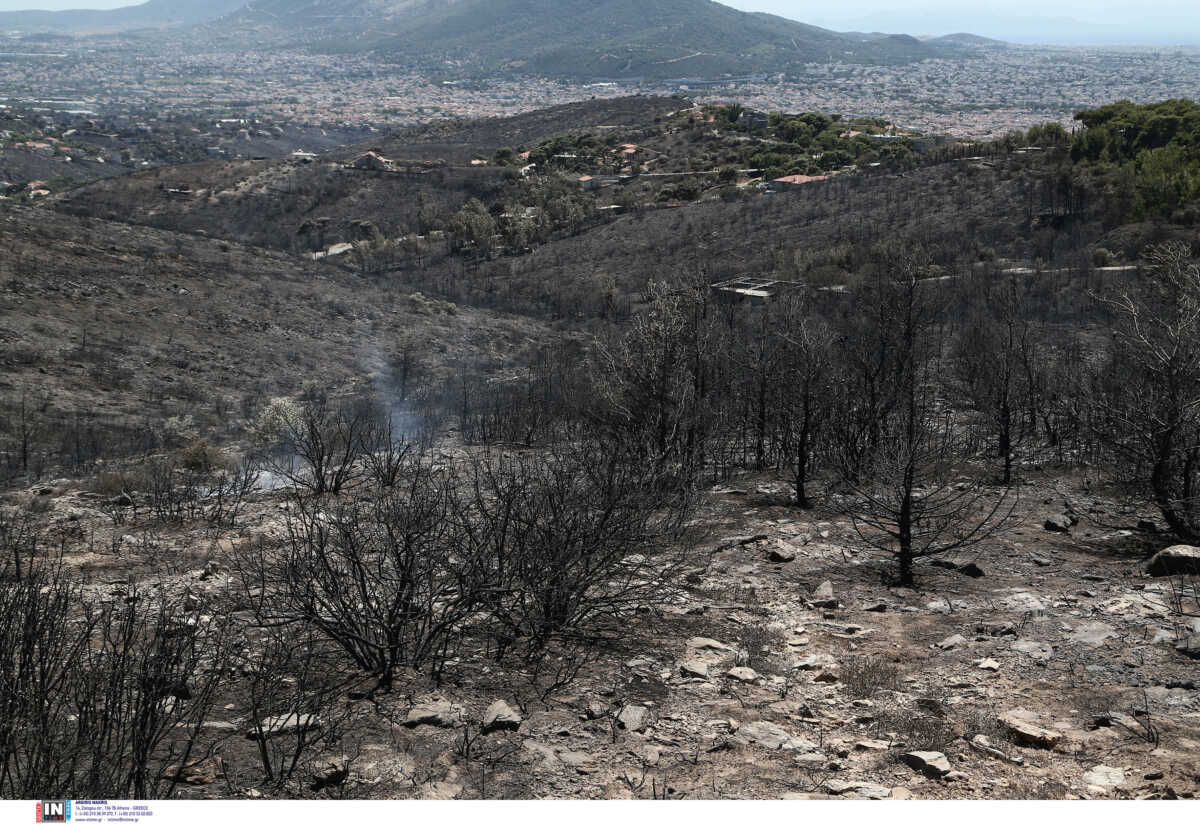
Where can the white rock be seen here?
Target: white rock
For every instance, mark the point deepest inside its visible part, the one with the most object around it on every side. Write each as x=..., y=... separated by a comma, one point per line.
x=634, y=718
x=933, y=764
x=500, y=716
x=1035, y=650
x=744, y=674
x=1104, y=776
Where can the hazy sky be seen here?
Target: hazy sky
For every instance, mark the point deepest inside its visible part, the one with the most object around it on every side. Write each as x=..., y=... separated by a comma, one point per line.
x=1065, y=21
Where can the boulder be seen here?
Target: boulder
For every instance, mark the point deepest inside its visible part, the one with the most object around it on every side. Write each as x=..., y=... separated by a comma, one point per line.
x=933, y=764
x=1022, y=601
x=1175, y=560
x=277, y=725
x=198, y=773
x=823, y=596
x=773, y=737
x=1092, y=633
x=634, y=717
x=857, y=789
x=434, y=714
x=1058, y=523
x=1024, y=731
x=744, y=674
x=1190, y=646
x=711, y=652
x=500, y=716
x=1104, y=777
x=581, y=762
x=708, y=645
x=334, y=775
x=781, y=553
x=953, y=641
x=1034, y=649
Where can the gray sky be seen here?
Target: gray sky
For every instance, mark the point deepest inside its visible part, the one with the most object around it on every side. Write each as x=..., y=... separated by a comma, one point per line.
x=1059, y=21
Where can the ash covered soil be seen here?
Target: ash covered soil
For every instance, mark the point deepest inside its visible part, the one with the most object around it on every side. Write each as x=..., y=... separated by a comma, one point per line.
x=784, y=667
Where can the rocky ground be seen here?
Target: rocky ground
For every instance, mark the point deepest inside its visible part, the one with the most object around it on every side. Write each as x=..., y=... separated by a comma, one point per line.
x=1044, y=664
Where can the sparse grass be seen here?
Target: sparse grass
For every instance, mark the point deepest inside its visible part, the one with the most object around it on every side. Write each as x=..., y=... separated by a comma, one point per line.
x=915, y=730
x=758, y=645
x=865, y=675
x=1032, y=789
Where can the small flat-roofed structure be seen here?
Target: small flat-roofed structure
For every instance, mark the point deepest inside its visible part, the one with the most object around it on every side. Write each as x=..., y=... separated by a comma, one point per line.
x=752, y=289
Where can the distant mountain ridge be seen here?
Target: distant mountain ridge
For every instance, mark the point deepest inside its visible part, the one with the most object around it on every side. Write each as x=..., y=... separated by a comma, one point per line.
x=653, y=39
x=155, y=13
x=683, y=40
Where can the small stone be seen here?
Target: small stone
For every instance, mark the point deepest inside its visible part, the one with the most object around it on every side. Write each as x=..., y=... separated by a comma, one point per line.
x=901, y=794
x=996, y=628
x=500, y=716
x=772, y=737
x=953, y=641
x=933, y=764
x=989, y=664
x=873, y=745
x=693, y=669
x=812, y=662
x=708, y=644
x=581, y=762
x=876, y=606
x=1025, y=731
x=1035, y=650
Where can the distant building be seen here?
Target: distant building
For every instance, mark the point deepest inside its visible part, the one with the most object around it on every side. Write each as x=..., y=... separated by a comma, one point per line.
x=780, y=184
x=749, y=289
x=750, y=119
x=374, y=163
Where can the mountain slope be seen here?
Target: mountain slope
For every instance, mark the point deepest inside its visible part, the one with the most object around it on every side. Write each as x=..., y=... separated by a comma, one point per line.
x=579, y=38
x=150, y=14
